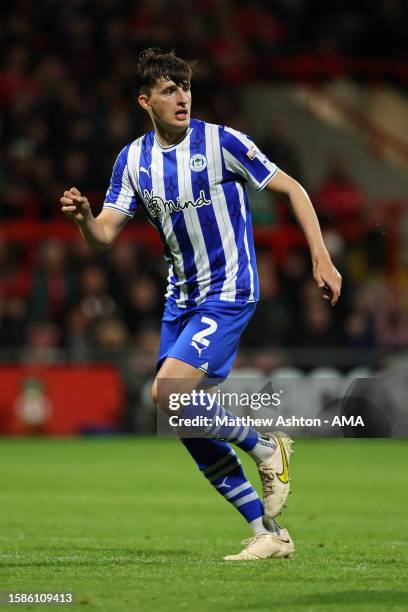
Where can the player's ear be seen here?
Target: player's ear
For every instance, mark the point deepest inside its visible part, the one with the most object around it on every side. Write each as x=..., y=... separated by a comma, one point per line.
x=144, y=101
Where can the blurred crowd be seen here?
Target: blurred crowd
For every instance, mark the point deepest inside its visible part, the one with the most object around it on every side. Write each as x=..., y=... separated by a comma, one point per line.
x=68, y=106
x=61, y=302
x=67, y=72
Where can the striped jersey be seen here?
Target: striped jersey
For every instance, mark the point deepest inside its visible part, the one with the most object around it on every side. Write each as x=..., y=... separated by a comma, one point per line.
x=195, y=194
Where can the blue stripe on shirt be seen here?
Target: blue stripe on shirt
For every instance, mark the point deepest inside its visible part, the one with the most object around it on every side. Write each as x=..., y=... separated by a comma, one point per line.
x=258, y=170
x=206, y=215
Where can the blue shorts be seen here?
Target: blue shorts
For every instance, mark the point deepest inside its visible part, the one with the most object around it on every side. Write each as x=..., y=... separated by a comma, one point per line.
x=206, y=336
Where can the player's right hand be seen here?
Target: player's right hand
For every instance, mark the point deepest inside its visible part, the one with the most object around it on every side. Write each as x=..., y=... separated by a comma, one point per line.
x=75, y=206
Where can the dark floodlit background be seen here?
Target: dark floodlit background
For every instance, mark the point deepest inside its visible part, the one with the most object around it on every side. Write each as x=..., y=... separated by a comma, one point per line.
x=321, y=87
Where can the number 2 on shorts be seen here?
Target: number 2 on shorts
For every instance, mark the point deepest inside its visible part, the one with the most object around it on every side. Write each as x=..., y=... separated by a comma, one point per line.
x=201, y=336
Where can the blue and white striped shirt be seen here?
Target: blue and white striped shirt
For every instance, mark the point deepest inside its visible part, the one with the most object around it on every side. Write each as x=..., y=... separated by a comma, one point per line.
x=194, y=193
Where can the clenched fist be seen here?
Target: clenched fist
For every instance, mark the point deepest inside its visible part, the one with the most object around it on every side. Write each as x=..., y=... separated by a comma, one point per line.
x=75, y=206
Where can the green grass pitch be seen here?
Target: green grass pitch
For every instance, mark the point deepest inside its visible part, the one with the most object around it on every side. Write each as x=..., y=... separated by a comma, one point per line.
x=130, y=524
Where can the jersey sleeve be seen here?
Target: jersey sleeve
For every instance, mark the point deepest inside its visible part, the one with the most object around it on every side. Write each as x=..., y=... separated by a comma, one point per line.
x=121, y=194
x=243, y=158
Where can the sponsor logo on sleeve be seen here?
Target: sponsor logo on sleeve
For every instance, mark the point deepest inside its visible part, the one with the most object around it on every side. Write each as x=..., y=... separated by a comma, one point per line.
x=251, y=153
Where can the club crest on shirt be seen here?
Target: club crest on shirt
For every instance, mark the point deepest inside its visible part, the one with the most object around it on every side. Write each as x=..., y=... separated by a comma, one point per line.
x=198, y=162
x=157, y=206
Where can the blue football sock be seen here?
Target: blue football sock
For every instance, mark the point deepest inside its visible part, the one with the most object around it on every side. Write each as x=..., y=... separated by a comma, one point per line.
x=222, y=468
x=231, y=430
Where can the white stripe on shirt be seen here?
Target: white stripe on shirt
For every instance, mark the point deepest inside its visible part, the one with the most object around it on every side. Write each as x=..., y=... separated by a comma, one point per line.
x=244, y=214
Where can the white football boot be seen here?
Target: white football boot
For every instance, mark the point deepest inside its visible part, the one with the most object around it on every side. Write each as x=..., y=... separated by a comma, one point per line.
x=274, y=474
x=265, y=546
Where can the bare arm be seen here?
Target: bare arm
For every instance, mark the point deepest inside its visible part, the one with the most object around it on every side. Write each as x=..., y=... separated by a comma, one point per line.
x=99, y=232
x=324, y=272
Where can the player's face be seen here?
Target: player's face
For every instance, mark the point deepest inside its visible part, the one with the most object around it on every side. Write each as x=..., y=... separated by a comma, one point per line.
x=170, y=104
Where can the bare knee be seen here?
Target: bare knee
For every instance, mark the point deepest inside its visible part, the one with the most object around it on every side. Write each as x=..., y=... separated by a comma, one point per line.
x=161, y=393
x=153, y=392
x=174, y=378
x=167, y=394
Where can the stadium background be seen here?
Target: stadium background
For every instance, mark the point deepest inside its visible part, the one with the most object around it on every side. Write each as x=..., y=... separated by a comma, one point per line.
x=321, y=88
x=125, y=521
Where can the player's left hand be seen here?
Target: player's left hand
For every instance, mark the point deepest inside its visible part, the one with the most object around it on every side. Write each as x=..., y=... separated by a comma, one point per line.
x=327, y=278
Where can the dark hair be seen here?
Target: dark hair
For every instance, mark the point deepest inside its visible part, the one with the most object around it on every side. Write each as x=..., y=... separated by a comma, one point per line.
x=155, y=65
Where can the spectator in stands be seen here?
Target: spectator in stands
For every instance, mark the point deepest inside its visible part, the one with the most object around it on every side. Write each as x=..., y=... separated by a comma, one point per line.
x=13, y=323
x=43, y=344
x=143, y=304
x=93, y=298
x=339, y=197
x=359, y=329
x=77, y=335
x=272, y=321
x=110, y=336
x=390, y=310
x=293, y=272
x=80, y=255
x=123, y=265
x=52, y=285
x=15, y=278
x=76, y=167
x=316, y=328
x=277, y=146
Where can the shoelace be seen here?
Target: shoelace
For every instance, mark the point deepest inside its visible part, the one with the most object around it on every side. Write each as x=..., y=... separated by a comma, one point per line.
x=267, y=476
